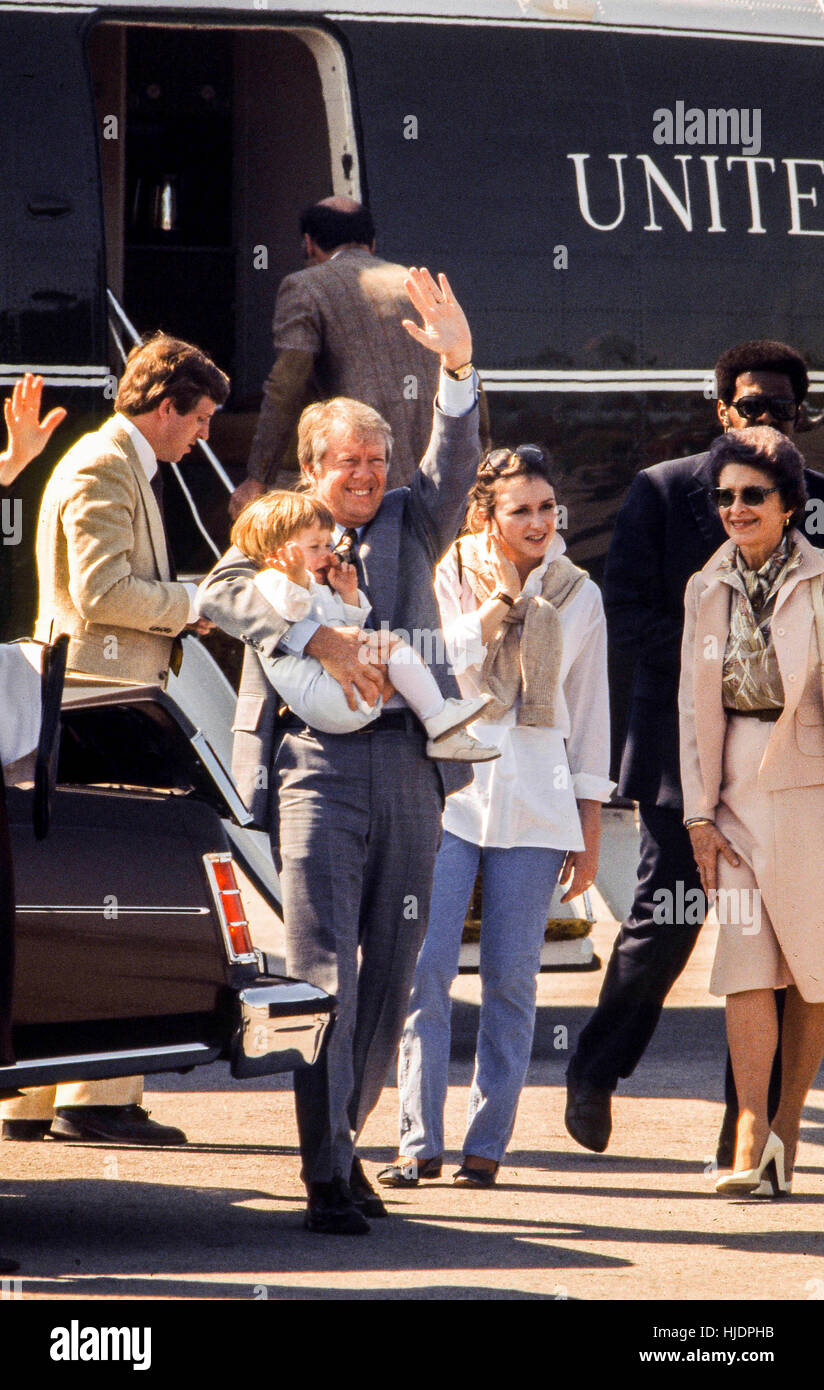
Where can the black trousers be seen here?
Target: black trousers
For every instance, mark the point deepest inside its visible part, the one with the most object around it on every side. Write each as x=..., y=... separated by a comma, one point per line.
x=648, y=955
x=650, y=951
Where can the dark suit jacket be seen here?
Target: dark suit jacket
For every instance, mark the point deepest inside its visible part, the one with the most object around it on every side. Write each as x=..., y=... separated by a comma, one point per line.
x=399, y=549
x=666, y=530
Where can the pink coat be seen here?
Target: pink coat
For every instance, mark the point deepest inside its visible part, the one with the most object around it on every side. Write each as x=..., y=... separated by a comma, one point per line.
x=791, y=876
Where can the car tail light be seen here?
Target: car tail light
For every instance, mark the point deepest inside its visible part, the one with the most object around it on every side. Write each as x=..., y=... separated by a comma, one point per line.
x=220, y=872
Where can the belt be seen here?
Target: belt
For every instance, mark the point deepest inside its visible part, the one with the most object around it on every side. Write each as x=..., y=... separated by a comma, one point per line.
x=390, y=721
x=767, y=716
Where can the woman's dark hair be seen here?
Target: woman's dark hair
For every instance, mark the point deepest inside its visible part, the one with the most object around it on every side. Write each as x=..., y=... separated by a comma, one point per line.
x=760, y=355
x=771, y=453
x=498, y=465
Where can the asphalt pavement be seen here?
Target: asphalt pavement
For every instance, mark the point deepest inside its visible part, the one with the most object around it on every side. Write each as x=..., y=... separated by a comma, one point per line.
x=221, y=1218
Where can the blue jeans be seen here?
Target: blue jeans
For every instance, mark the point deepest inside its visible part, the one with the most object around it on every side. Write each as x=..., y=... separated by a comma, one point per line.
x=517, y=886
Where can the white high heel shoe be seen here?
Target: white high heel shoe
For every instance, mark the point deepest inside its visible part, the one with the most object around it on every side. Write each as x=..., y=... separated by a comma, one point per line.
x=769, y=1175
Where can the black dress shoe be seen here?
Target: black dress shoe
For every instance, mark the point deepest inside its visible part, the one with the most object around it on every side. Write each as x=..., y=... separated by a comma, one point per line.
x=364, y=1195
x=331, y=1211
x=588, y=1115
x=112, y=1124
x=725, y=1147
x=26, y=1131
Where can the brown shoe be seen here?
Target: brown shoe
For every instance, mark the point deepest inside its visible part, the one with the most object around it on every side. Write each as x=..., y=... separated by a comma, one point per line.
x=470, y=1176
x=406, y=1171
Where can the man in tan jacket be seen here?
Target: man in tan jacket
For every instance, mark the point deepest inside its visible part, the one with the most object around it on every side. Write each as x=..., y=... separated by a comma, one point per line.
x=106, y=578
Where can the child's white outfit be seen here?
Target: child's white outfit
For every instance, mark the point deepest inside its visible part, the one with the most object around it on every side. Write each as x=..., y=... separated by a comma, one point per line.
x=317, y=698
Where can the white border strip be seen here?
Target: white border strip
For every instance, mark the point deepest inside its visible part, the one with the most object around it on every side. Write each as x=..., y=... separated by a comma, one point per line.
x=592, y=26
x=99, y=909
x=53, y=367
x=684, y=379
x=55, y=374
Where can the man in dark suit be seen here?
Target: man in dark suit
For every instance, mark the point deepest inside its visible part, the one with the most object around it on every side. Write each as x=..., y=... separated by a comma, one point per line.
x=337, y=332
x=357, y=816
x=666, y=529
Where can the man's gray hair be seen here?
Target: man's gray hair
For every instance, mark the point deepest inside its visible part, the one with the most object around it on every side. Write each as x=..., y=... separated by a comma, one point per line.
x=316, y=422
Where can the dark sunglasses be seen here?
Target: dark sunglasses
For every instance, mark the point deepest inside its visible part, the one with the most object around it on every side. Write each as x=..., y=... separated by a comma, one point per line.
x=779, y=407
x=751, y=496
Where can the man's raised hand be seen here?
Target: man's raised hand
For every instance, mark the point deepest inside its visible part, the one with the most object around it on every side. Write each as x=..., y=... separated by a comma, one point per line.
x=445, y=329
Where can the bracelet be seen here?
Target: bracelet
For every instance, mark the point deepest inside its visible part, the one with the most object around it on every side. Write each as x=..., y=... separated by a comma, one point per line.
x=503, y=597
x=460, y=373
x=698, y=820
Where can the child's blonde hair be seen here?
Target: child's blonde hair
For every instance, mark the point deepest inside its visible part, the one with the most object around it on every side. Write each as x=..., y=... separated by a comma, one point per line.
x=275, y=518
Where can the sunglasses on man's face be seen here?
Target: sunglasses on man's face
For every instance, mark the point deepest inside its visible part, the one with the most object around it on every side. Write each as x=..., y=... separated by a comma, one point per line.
x=751, y=496
x=779, y=407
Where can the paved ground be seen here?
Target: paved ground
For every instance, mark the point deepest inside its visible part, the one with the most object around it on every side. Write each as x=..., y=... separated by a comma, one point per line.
x=221, y=1218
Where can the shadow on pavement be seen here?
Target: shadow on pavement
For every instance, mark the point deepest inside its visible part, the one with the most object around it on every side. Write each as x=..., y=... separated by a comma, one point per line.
x=73, y=1240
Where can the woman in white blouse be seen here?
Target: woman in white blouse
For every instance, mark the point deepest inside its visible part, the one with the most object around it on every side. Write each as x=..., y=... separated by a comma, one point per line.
x=523, y=624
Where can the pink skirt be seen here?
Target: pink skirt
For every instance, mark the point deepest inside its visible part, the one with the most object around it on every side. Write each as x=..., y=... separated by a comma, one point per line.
x=770, y=908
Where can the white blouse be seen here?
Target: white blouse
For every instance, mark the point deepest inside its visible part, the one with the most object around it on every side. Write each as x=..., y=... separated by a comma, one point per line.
x=528, y=795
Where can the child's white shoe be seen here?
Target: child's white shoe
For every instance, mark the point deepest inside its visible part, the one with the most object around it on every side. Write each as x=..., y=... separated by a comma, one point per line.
x=460, y=747
x=454, y=715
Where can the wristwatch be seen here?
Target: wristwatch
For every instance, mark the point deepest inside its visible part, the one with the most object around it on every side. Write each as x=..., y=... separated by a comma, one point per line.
x=503, y=597
x=460, y=373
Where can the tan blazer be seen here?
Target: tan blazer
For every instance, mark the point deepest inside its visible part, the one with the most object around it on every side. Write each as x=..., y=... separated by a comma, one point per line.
x=102, y=563
x=794, y=756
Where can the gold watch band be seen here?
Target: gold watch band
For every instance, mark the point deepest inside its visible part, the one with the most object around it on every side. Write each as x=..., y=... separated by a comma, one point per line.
x=460, y=373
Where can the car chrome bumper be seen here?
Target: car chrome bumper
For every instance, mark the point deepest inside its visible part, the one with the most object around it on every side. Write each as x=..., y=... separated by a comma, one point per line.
x=281, y=1025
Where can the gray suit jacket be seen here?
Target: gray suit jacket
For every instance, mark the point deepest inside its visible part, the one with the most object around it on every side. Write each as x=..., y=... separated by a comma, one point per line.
x=399, y=549
x=343, y=319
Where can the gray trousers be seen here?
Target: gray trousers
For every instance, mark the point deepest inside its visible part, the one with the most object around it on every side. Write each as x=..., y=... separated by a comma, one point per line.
x=360, y=824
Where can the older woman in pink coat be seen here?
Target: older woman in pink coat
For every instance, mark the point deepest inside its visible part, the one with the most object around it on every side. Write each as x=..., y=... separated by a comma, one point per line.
x=752, y=767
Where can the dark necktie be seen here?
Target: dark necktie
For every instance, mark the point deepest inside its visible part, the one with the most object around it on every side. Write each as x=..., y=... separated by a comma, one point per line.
x=347, y=548
x=347, y=551
x=156, y=484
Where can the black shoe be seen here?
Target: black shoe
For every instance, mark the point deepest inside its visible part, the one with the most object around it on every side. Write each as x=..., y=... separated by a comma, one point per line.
x=725, y=1147
x=331, y=1211
x=588, y=1115
x=112, y=1124
x=405, y=1172
x=364, y=1195
x=26, y=1131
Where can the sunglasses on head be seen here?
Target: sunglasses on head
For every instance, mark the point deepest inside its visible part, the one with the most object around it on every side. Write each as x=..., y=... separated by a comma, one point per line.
x=779, y=407
x=502, y=458
x=751, y=496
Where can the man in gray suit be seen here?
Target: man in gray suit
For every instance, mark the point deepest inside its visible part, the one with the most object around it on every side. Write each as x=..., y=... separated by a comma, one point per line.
x=337, y=332
x=357, y=817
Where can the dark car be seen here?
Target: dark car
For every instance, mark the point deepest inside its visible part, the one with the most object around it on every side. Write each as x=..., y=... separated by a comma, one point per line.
x=133, y=951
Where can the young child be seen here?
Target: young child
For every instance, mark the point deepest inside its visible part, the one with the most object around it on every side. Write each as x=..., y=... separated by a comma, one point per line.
x=289, y=535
